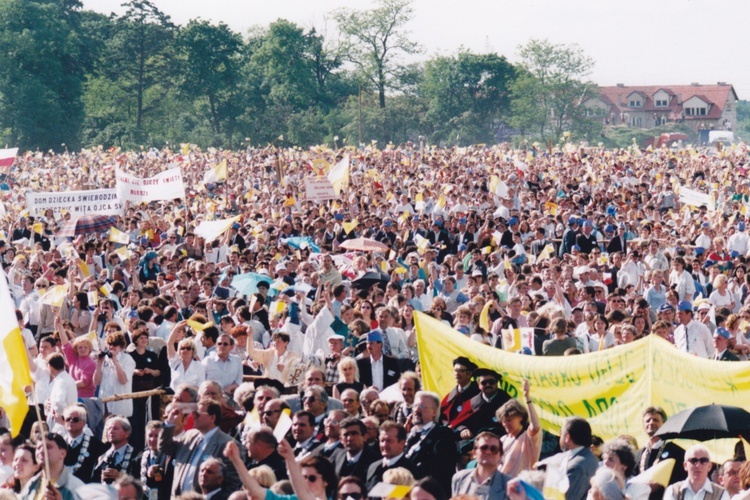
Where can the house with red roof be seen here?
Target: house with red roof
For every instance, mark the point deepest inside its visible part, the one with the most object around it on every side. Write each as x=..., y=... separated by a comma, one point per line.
x=702, y=107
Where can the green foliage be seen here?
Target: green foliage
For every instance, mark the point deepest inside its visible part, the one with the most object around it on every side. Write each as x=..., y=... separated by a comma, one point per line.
x=545, y=99
x=41, y=84
x=467, y=96
x=85, y=79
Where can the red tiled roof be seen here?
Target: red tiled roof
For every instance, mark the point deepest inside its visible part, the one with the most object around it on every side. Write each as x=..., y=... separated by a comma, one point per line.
x=713, y=94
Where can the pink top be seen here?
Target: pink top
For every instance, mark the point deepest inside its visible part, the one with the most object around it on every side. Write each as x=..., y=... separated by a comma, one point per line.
x=81, y=369
x=520, y=453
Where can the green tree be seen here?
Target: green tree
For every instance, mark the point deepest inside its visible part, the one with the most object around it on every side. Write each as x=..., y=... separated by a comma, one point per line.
x=140, y=56
x=375, y=40
x=467, y=95
x=210, y=68
x=41, y=85
x=546, y=96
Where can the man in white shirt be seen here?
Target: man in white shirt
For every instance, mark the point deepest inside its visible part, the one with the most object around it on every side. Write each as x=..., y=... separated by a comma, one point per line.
x=697, y=485
x=62, y=389
x=690, y=336
x=222, y=366
x=395, y=344
x=740, y=241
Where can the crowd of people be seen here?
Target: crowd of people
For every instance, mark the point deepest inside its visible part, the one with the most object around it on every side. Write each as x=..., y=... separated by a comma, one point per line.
x=306, y=383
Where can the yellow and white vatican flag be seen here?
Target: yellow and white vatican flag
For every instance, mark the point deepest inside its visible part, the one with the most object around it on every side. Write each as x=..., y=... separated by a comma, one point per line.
x=14, y=364
x=216, y=174
x=118, y=236
x=339, y=175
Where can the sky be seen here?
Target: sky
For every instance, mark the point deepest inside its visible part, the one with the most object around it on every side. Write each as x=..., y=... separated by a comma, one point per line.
x=634, y=42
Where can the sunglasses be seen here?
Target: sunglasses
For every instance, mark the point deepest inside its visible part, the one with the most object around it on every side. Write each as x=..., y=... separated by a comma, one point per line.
x=310, y=479
x=491, y=449
x=352, y=495
x=269, y=412
x=73, y=420
x=485, y=383
x=702, y=460
x=223, y=343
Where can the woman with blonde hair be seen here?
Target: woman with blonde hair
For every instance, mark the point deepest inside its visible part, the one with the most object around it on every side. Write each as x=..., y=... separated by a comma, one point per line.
x=81, y=365
x=348, y=377
x=721, y=296
x=264, y=475
x=184, y=365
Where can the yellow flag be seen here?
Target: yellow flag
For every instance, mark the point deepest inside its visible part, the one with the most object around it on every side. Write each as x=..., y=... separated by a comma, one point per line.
x=198, y=327
x=484, y=317
x=551, y=208
x=349, y=226
x=185, y=149
x=659, y=473
x=118, y=236
x=38, y=228
x=494, y=181
x=221, y=170
x=546, y=253
x=419, y=197
x=85, y=270
x=290, y=202
x=339, y=175
x=54, y=296
x=441, y=201
x=14, y=364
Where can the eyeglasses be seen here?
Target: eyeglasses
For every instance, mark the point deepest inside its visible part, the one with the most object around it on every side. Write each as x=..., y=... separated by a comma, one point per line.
x=491, y=449
x=310, y=479
x=73, y=420
x=310, y=398
x=186, y=348
x=354, y=495
x=223, y=343
x=269, y=412
x=702, y=460
x=484, y=383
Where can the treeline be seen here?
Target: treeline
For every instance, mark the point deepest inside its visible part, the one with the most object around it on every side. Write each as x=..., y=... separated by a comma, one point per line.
x=75, y=78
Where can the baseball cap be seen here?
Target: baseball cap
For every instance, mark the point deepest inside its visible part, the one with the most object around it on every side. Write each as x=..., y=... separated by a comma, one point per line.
x=685, y=305
x=666, y=307
x=722, y=332
x=375, y=336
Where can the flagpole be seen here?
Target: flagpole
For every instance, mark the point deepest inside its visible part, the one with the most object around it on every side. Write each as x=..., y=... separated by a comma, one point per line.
x=44, y=436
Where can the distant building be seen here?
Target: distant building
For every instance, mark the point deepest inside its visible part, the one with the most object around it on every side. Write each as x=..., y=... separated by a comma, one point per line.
x=701, y=107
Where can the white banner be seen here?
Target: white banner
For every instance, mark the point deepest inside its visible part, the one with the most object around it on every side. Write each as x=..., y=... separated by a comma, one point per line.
x=167, y=185
x=319, y=189
x=95, y=201
x=695, y=198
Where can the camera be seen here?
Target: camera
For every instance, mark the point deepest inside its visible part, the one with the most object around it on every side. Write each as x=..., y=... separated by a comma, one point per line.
x=102, y=318
x=104, y=353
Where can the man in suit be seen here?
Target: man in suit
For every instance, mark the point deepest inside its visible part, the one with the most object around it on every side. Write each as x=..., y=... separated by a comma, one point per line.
x=486, y=481
x=83, y=447
x=580, y=462
x=455, y=401
x=235, y=238
x=721, y=343
x=618, y=243
x=355, y=458
x=569, y=237
x=211, y=480
x=262, y=449
x=203, y=441
x=479, y=413
x=431, y=446
x=303, y=430
x=376, y=369
x=121, y=457
x=656, y=449
x=392, y=441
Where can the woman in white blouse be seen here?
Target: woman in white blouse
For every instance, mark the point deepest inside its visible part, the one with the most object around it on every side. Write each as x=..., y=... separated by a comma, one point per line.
x=114, y=374
x=184, y=364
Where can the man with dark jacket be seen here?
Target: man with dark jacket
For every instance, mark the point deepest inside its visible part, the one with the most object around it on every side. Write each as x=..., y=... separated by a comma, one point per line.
x=355, y=458
x=431, y=446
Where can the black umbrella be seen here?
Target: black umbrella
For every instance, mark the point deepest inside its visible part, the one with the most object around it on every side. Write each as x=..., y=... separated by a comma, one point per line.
x=370, y=279
x=703, y=423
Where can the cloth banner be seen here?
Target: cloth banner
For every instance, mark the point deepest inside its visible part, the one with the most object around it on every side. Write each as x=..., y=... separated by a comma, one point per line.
x=91, y=202
x=166, y=185
x=609, y=388
x=319, y=189
x=695, y=198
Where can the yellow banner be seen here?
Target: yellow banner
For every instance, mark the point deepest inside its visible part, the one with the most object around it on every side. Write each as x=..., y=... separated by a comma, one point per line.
x=609, y=388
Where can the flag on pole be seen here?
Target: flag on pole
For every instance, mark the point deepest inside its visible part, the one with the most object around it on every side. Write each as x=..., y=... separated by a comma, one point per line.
x=118, y=236
x=339, y=175
x=7, y=157
x=14, y=364
x=216, y=174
